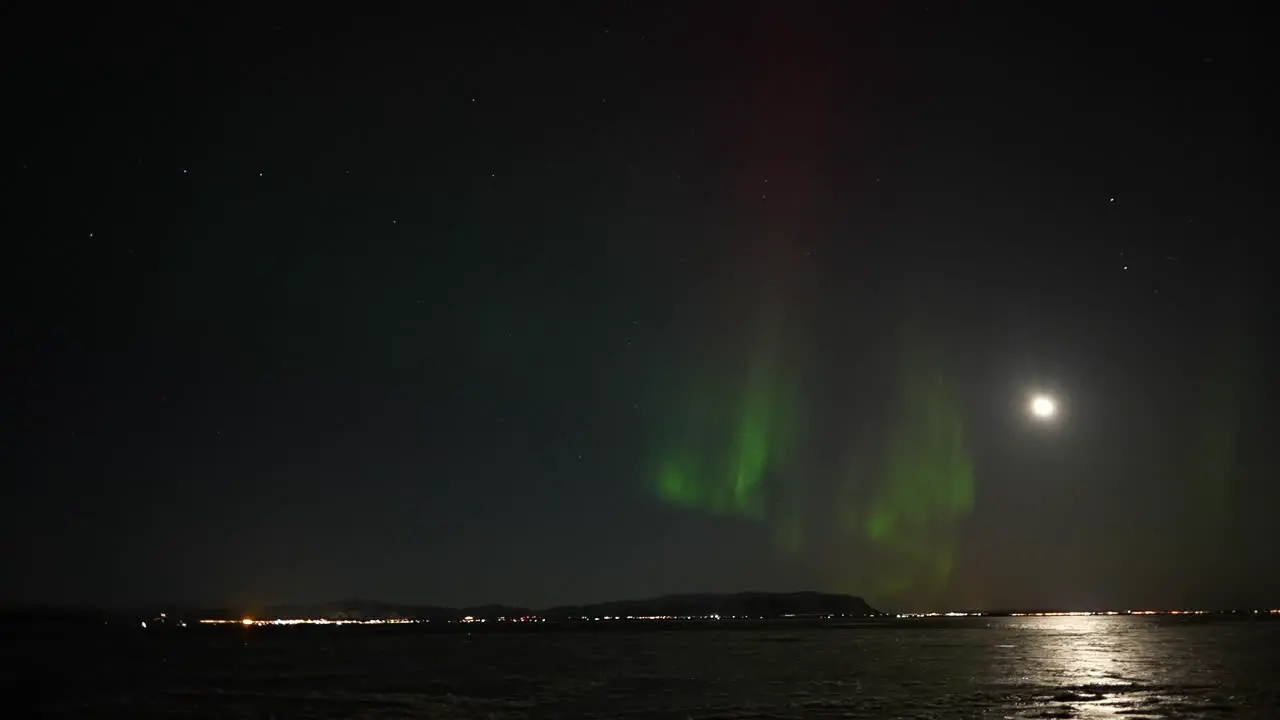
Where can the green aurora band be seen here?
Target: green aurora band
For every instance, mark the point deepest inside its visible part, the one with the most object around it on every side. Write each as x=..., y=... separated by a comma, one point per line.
x=926, y=482
x=732, y=449
x=1215, y=448
x=732, y=434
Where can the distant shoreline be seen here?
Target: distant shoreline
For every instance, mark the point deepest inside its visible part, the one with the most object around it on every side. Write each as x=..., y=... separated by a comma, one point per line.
x=624, y=625
x=744, y=609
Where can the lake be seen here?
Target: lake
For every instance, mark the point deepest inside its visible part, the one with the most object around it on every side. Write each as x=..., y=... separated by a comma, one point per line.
x=1059, y=667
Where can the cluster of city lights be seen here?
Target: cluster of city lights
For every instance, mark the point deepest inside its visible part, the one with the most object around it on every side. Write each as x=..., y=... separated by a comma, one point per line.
x=250, y=622
x=939, y=614
x=1074, y=613
x=606, y=618
x=1112, y=612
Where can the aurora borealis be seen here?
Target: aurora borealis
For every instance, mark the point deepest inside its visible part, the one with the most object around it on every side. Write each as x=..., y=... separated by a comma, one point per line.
x=739, y=445
x=734, y=428
x=565, y=305
x=928, y=476
x=737, y=453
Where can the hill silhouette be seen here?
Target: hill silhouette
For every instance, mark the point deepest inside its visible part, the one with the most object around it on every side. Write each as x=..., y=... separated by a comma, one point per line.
x=746, y=604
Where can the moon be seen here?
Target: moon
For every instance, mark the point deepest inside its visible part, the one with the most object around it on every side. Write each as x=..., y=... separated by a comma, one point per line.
x=1043, y=407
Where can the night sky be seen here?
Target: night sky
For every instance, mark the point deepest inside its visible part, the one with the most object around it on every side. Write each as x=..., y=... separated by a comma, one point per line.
x=607, y=300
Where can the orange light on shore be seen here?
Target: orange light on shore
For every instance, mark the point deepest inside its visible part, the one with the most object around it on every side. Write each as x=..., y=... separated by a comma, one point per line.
x=247, y=622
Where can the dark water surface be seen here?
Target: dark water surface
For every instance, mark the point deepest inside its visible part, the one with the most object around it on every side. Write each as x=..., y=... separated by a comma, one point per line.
x=1067, y=667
